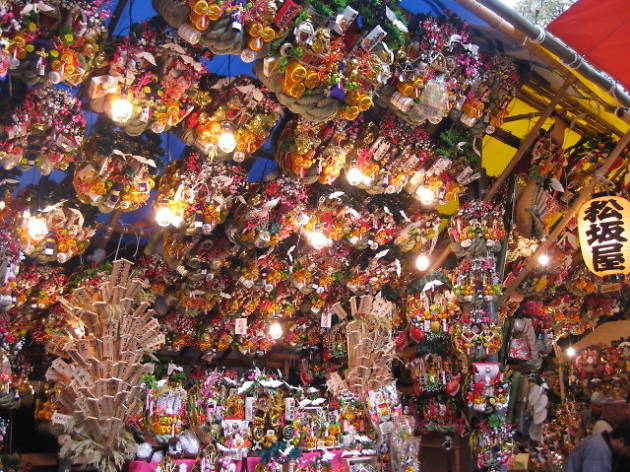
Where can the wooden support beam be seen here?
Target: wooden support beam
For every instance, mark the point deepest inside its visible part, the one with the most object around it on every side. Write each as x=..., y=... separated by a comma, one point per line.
x=522, y=116
x=584, y=195
x=526, y=143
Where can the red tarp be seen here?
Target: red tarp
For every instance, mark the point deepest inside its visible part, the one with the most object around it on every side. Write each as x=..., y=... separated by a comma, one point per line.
x=599, y=30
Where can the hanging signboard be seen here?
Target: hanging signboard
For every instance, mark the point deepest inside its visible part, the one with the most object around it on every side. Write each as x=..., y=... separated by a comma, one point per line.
x=604, y=229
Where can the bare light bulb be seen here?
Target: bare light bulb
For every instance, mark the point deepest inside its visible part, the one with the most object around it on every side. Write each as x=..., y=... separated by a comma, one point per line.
x=354, y=176
x=318, y=240
x=543, y=259
x=227, y=141
x=121, y=110
x=275, y=330
x=570, y=351
x=165, y=216
x=36, y=227
x=425, y=195
x=422, y=262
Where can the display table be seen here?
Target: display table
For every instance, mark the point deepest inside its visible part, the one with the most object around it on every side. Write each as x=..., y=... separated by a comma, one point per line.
x=143, y=466
x=338, y=462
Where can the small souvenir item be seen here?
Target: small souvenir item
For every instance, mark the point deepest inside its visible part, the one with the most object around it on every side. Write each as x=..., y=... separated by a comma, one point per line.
x=195, y=195
x=116, y=171
x=149, y=81
x=442, y=416
x=477, y=280
x=55, y=233
x=45, y=130
x=165, y=407
x=477, y=339
x=492, y=444
x=54, y=42
x=269, y=213
x=488, y=391
x=233, y=117
x=477, y=229
x=314, y=152
x=434, y=69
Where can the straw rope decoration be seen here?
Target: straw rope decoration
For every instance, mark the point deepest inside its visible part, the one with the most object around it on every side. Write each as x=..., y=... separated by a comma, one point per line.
x=317, y=105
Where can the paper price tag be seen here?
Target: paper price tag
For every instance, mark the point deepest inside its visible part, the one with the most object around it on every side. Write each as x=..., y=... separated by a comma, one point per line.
x=59, y=418
x=249, y=408
x=326, y=319
x=240, y=326
x=289, y=409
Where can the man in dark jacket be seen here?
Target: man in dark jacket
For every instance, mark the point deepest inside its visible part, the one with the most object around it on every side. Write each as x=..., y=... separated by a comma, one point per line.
x=600, y=452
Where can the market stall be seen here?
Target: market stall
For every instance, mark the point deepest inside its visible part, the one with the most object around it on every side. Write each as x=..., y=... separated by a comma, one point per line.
x=304, y=236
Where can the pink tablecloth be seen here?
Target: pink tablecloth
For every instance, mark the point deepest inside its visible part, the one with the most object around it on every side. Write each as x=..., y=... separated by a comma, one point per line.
x=142, y=466
x=337, y=463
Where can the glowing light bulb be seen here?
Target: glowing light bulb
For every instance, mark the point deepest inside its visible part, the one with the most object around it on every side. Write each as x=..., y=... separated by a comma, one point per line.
x=422, y=262
x=36, y=227
x=227, y=141
x=354, y=176
x=165, y=216
x=570, y=351
x=543, y=259
x=275, y=330
x=318, y=240
x=425, y=195
x=121, y=110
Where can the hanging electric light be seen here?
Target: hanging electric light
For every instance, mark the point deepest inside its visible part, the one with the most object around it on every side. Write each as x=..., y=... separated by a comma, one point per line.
x=425, y=195
x=422, y=262
x=227, y=140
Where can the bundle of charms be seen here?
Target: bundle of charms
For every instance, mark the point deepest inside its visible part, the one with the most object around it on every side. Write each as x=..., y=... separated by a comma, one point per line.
x=148, y=83
x=37, y=287
x=11, y=255
x=195, y=195
x=258, y=418
x=389, y=155
x=492, y=444
x=228, y=28
x=430, y=307
x=268, y=213
x=107, y=328
x=602, y=369
x=486, y=101
x=434, y=70
x=441, y=415
x=314, y=151
x=56, y=233
x=329, y=67
x=44, y=130
x=116, y=171
x=477, y=229
x=233, y=117
x=52, y=41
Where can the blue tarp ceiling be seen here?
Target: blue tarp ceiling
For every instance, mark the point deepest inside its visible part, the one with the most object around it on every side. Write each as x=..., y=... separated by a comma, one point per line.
x=136, y=11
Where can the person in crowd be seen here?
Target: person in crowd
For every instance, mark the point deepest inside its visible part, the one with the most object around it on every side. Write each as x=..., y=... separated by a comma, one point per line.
x=613, y=412
x=603, y=452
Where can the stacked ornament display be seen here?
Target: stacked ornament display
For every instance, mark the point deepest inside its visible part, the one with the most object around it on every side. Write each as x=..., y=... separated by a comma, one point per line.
x=477, y=230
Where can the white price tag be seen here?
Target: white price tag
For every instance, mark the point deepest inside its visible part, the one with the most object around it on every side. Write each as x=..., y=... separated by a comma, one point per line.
x=249, y=408
x=240, y=326
x=326, y=319
x=59, y=418
x=289, y=409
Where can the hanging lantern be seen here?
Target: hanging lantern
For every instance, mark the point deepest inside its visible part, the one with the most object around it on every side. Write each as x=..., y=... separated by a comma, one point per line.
x=604, y=229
